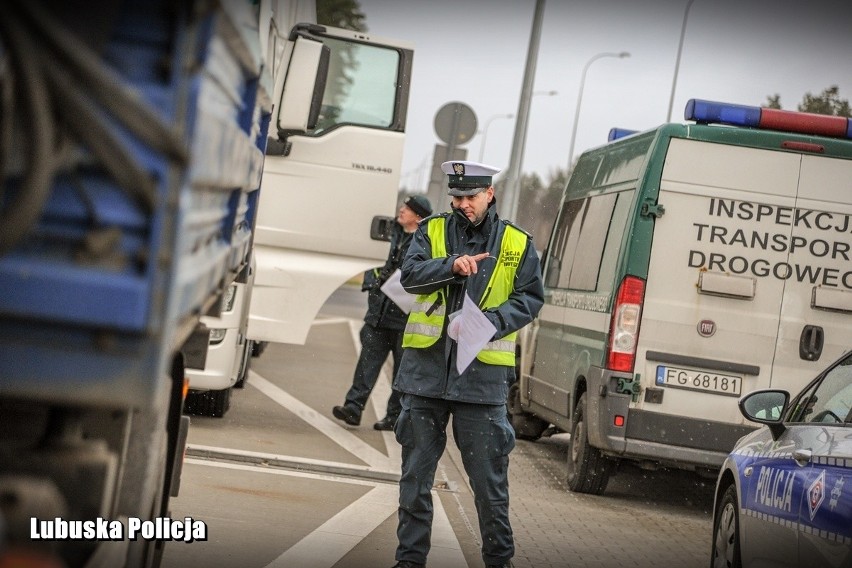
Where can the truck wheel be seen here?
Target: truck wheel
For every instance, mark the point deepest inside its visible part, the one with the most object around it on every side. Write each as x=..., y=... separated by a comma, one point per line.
x=527, y=426
x=588, y=468
x=726, y=532
x=214, y=403
x=257, y=348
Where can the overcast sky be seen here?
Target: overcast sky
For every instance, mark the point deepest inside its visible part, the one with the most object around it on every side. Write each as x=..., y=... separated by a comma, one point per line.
x=474, y=52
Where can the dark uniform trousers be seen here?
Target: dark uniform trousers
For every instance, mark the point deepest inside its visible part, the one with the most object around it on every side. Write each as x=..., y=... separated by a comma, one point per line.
x=484, y=437
x=376, y=344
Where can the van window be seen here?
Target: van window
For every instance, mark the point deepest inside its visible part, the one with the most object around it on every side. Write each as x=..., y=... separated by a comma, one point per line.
x=578, y=242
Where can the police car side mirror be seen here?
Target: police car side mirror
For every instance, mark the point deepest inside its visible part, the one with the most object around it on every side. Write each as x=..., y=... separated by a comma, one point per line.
x=766, y=407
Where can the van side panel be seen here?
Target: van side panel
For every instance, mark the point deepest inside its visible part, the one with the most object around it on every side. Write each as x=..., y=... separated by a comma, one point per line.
x=580, y=270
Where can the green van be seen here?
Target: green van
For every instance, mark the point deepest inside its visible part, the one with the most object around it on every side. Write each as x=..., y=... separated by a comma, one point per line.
x=688, y=265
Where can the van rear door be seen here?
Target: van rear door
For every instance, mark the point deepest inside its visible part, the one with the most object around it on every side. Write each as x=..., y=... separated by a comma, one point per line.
x=749, y=282
x=710, y=317
x=817, y=301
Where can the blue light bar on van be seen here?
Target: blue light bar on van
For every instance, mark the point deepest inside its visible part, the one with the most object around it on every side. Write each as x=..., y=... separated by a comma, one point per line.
x=616, y=133
x=770, y=119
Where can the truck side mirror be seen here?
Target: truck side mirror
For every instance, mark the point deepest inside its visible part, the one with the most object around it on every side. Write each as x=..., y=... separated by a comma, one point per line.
x=381, y=228
x=304, y=86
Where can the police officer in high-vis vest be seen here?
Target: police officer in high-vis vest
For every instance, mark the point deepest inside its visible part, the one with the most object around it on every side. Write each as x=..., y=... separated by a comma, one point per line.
x=467, y=251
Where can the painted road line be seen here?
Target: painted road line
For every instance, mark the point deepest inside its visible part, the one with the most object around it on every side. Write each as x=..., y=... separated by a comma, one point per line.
x=330, y=542
x=342, y=437
x=291, y=462
x=381, y=393
x=333, y=540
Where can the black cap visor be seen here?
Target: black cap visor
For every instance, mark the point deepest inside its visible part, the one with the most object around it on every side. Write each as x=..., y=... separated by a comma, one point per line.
x=461, y=186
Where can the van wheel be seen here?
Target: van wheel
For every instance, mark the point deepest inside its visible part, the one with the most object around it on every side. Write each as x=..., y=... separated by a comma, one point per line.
x=527, y=426
x=726, y=533
x=588, y=468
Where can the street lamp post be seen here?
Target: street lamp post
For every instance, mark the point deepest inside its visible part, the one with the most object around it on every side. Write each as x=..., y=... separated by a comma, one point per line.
x=510, y=194
x=594, y=58
x=485, y=131
x=677, y=59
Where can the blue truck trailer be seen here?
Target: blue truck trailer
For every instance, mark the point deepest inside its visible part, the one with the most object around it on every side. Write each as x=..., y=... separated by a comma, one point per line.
x=134, y=135
x=131, y=151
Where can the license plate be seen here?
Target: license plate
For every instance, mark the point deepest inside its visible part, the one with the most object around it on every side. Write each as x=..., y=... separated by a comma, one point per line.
x=698, y=380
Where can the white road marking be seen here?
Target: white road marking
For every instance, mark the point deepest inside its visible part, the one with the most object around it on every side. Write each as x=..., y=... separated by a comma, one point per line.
x=381, y=392
x=345, y=439
x=297, y=462
x=329, y=543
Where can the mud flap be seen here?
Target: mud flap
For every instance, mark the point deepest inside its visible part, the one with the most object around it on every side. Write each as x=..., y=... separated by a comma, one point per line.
x=180, y=451
x=605, y=402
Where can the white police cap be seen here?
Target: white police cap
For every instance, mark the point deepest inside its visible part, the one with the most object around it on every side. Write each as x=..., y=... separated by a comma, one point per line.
x=468, y=178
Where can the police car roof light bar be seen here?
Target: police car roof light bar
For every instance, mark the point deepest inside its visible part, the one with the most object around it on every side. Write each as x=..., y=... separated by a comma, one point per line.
x=709, y=112
x=616, y=133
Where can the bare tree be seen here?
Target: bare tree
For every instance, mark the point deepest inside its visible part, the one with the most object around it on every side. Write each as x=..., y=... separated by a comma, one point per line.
x=344, y=14
x=828, y=102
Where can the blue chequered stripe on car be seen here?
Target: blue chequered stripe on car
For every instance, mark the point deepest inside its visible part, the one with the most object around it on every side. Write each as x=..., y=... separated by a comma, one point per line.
x=796, y=525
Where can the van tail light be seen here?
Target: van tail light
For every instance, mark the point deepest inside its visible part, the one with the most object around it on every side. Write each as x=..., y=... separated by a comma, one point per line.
x=624, y=327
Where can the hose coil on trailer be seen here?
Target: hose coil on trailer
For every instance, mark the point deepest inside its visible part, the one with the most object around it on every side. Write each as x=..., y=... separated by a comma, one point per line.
x=49, y=76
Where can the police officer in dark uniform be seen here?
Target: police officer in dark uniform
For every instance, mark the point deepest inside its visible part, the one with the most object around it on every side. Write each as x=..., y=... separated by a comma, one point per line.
x=384, y=322
x=468, y=251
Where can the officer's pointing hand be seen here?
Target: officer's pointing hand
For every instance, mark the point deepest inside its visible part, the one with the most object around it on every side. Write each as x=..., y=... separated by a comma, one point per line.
x=465, y=265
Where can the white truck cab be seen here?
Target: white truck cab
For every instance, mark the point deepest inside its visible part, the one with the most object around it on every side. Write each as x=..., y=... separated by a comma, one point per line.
x=325, y=189
x=330, y=184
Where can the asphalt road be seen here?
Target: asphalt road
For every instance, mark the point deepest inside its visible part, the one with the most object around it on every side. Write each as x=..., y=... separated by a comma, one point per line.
x=279, y=482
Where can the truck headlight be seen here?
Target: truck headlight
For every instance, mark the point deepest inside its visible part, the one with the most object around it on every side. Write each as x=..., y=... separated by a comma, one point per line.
x=217, y=335
x=230, y=297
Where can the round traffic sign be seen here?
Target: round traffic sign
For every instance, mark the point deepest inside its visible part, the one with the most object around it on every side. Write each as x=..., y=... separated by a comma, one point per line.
x=455, y=123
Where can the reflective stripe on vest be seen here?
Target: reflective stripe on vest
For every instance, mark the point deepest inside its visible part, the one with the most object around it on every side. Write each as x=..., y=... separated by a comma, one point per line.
x=501, y=351
x=426, y=320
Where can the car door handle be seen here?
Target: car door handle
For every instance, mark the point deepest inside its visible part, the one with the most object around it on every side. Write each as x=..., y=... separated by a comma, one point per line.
x=802, y=457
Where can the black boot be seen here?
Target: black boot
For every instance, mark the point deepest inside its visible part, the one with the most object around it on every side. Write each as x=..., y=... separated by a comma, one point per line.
x=346, y=414
x=385, y=423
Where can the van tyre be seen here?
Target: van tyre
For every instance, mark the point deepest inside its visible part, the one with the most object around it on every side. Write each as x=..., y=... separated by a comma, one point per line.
x=588, y=469
x=726, y=532
x=527, y=426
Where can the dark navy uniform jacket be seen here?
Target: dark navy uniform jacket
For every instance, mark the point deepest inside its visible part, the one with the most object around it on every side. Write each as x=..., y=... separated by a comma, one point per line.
x=431, y=371
x=381, y=310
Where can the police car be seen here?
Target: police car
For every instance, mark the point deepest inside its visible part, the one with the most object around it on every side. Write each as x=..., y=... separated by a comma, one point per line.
x=784, y=494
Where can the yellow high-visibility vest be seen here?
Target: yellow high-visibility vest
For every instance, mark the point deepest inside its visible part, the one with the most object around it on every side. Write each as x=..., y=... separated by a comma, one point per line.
x=426, y=319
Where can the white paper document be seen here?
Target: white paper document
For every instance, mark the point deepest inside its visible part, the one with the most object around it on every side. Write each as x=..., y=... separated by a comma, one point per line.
x=393, y=289
x=473, y=333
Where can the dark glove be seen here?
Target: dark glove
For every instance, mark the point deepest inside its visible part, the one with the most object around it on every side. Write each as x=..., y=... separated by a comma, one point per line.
x=371, y=280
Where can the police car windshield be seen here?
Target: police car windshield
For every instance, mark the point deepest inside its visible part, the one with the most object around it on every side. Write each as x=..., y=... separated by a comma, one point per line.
x=830, y=400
